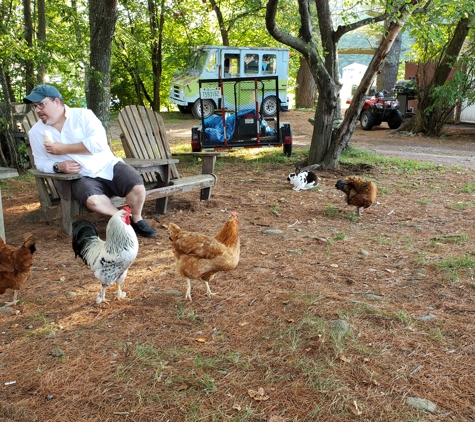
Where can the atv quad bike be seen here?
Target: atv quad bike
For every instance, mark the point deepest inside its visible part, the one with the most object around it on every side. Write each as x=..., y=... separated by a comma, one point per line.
x=380, y=109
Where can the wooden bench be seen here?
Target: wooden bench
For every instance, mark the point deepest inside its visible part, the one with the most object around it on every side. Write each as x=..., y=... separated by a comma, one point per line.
x=159, y=172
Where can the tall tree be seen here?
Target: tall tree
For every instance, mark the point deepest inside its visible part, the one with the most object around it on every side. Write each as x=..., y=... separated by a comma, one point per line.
x=157, y=21
x=41, y=73
x=102, y=18
x=328, y=142
x=29, y=65
x=306, y=89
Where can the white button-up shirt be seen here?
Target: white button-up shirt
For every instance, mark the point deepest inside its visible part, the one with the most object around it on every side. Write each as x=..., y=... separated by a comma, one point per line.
x=81, y=125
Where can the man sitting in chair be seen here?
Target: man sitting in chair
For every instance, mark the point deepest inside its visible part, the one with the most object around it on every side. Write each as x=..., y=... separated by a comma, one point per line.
x=80, y=146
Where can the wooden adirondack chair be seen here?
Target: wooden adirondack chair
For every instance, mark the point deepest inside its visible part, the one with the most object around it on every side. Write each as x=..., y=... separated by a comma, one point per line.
x=144, y=137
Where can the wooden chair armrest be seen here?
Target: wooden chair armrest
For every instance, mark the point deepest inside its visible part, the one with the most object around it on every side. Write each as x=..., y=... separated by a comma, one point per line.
x=55, y=176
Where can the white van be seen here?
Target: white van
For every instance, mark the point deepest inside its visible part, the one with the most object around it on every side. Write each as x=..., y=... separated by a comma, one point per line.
x=217, y=62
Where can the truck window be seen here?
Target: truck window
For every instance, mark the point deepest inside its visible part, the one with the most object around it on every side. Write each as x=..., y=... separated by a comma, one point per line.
x=269, y=64
x=251, y=63
x=231, y=65
x=211, y=66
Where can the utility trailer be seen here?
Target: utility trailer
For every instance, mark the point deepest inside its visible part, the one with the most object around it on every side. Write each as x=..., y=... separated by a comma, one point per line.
x=244, y=117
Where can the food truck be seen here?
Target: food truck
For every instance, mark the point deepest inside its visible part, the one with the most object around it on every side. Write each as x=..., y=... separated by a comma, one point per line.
x=209, y=62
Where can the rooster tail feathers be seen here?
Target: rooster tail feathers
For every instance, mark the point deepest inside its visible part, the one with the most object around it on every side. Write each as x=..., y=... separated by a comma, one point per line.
x=83, y=232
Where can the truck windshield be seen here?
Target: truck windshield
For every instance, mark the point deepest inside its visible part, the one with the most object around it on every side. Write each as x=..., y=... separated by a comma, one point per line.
x=196, y=62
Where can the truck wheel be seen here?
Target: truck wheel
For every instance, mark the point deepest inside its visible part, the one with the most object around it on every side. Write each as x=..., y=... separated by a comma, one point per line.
x=367, y=120
x=395, y=119
x=270, y=106
x=208, y=109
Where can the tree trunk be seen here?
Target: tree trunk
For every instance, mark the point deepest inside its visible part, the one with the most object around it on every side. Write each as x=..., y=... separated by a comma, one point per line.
x=387, y=79
x=222, y=27
x=40, y=77
x=8, y=125
x=156, y=31
x=306, y=91
x=29, y=65
x=102, y=18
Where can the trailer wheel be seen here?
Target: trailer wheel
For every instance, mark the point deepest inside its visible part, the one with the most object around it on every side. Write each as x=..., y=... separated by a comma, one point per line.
x=288, y=150
x=286, y=132
x=208, y=109
x=270, y=106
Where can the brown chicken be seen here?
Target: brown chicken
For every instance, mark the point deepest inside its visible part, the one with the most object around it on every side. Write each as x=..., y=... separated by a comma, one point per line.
x=359, y=192
x=199, y=257
x=15, y=265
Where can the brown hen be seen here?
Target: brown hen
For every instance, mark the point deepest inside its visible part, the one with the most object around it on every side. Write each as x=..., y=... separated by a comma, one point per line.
x=359, y=192
x=15, y=265
x=199, y=257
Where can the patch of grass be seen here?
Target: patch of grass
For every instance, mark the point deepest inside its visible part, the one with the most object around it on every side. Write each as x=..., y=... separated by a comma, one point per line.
x=401, y=315
x=117, y=148
x=330, y=210
x=469, y=188
x=460, y=239
x=208, y=384
x=339, y=236
x=458, y=206
x=422, y=202
x=354, y=156
x=178, y=117
x=187, y=314
x=456, y=267
x=384, y=240
x=437, y=334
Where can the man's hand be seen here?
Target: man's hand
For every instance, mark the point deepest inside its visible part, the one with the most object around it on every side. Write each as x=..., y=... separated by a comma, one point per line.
x=69, y=166
x=55, y=148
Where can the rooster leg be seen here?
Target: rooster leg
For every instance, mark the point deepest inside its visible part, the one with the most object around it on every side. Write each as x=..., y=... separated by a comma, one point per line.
x=188, y=289
x=101, y=297
x=120, y=293
x=359, y=211
x=14, y=301
x=208, y=290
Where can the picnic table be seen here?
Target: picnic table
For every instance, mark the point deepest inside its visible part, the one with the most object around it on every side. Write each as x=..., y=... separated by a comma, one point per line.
x=5, y=173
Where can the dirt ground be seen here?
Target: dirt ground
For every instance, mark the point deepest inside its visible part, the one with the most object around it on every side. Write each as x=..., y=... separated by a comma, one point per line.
x=328, y=316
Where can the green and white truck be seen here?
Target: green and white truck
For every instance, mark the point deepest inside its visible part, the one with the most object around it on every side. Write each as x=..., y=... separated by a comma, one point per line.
x=218, y=62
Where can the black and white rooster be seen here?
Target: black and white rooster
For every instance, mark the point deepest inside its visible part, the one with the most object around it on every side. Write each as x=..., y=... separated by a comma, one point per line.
x=109, y=260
